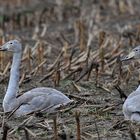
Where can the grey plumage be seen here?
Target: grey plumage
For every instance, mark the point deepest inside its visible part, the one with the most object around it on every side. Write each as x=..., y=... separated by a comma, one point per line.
x=46, y=99
x=131, y=106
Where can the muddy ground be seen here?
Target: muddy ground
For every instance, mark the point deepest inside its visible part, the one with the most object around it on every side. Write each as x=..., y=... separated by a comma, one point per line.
x=92, y=37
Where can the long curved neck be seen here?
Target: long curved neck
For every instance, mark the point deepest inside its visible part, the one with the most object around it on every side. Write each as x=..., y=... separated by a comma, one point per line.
x=13, y=85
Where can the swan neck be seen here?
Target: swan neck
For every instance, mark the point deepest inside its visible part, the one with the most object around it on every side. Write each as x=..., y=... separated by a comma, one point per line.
x=138, y=88
x=13, y=85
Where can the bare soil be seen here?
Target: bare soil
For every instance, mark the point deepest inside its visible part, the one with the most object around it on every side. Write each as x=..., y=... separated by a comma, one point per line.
x=110, y=28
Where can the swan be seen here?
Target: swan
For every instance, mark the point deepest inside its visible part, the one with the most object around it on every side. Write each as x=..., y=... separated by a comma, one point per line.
x=41, y=98
x=131, y=106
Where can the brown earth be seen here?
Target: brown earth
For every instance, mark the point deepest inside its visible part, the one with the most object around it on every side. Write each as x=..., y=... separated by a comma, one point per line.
x=99, y=33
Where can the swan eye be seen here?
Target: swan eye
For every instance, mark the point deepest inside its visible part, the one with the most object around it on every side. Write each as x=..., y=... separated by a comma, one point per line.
x=11, y=43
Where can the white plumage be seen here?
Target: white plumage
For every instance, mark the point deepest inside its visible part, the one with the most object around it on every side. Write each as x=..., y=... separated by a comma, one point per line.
x=46, y=99
x=131, y=106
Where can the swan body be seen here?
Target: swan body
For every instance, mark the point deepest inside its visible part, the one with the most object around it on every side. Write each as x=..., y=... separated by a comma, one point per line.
x=131, y=106
x=37, y=99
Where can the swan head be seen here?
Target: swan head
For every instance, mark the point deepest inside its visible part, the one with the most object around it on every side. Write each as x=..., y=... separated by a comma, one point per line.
x=134, y=54
x=12, y=46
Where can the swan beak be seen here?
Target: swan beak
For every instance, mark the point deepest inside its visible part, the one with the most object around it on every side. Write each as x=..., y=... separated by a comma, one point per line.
x=131, y=55
x=3, y=49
